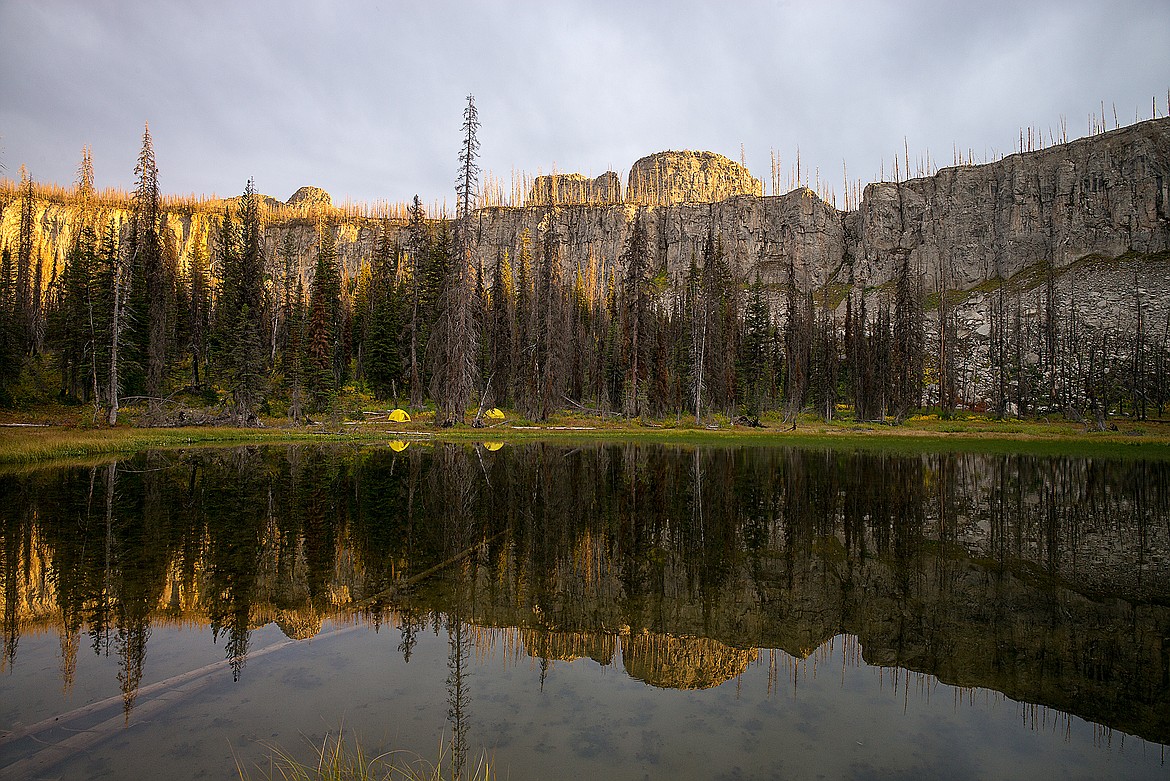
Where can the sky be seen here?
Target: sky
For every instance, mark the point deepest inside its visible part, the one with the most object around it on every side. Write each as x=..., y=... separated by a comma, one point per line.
x=365, y=98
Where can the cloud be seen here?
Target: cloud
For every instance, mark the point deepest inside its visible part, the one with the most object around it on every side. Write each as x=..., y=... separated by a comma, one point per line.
x=365, y=99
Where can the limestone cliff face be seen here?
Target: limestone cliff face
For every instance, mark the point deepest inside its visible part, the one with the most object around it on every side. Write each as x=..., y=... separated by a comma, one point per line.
x=756, y=233
x=1106, y=195
x=668, y=178
x=565, y=189
x=1103, y=195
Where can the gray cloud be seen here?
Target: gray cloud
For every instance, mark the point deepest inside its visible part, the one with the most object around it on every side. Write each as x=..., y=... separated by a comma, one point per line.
x=365, y=98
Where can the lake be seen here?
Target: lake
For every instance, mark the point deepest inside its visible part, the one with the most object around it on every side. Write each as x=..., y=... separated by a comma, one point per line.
x=618, y=611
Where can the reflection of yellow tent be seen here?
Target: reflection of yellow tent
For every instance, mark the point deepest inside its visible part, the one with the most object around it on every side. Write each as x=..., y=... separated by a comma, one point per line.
x=397, y=445
x=494, y=413
x=399, y=416
x=492, y=446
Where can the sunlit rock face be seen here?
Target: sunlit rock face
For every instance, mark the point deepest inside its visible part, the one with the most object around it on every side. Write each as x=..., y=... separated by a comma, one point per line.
x=310, y=196
x=668, y=178
x=567, y=189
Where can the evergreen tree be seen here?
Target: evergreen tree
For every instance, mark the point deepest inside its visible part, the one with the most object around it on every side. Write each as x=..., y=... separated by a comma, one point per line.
x=634, y=318
x=824, y=361
x=908, y=343
x=244, y=353
x=26, y=301
x=69, y=330
x=378, y=318
x=547, y=330
x=755, y=352
x=500, y=318
x=198, y=325
x=524, y=345
x=294, y=361
x=719, y=293
x=10, y=332
x=323, y=340
x=417, y=249
x=694, y=311
x=797, y=346
x=152, y=288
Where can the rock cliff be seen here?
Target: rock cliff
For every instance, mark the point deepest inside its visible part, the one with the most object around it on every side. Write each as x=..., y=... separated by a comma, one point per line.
x=1101, y=196
x=669, y=178
x=1106, y=194
x=565, y=189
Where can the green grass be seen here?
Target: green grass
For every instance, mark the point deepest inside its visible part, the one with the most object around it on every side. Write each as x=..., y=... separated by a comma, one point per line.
x=63, y=438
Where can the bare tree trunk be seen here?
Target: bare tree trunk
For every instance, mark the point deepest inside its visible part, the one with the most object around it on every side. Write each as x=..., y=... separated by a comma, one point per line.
x=115, y=337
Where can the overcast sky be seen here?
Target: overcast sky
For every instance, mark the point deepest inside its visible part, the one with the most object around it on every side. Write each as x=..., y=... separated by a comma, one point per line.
x=365, y=99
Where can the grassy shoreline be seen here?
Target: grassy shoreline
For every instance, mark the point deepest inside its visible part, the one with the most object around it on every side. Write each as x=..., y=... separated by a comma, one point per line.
x=32, y=438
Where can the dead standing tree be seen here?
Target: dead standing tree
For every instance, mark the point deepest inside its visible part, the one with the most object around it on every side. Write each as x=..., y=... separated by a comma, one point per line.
x=454, y=378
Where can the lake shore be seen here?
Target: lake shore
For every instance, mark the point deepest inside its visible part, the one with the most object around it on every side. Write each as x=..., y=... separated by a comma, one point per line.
x=35, y=436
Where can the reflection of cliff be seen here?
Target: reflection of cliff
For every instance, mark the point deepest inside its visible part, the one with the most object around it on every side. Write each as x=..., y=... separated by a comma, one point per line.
x=1045, y=579
x=682, y=662
x=567, y=646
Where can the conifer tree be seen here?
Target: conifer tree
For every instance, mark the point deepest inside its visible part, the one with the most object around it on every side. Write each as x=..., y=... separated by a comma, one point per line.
x=417, y=249
x=547, y=330
x=378, y=318
x=634, y=311
x=294, y=361
x=69, y=324
x=908, y=343
x=824, y=362
x=244, y=352
x=10, y=342
x=500, y=318
x=323, y=340
x=198, y=325
x=797, y=346
x=152, y=285
x=695, y=313
x=26, y=301
x=755, y=352
x=524, y=345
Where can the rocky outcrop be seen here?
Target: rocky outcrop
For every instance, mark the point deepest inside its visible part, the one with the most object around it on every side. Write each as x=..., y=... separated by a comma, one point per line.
x=567, y=189
x=309, y=196
x=669, y=178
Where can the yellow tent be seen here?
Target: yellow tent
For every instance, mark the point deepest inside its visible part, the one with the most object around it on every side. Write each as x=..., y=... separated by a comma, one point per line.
x=492, y=446
x=399, y=416
x=397, y=445
x=494, y=413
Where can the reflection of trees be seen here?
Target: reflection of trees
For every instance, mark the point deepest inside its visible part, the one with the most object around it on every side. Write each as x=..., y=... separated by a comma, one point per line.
x=985, y=570
x=235, y=508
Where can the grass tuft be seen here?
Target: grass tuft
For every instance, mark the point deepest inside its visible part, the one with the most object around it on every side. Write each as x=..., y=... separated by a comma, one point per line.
x=340, y=759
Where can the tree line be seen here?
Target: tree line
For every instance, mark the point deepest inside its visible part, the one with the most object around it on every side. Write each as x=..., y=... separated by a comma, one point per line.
x=428, y=320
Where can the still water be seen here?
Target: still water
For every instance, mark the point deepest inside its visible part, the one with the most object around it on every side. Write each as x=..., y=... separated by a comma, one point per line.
x=600, y=611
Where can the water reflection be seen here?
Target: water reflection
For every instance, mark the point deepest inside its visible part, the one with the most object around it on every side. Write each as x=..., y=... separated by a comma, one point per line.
x=1045, y=579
